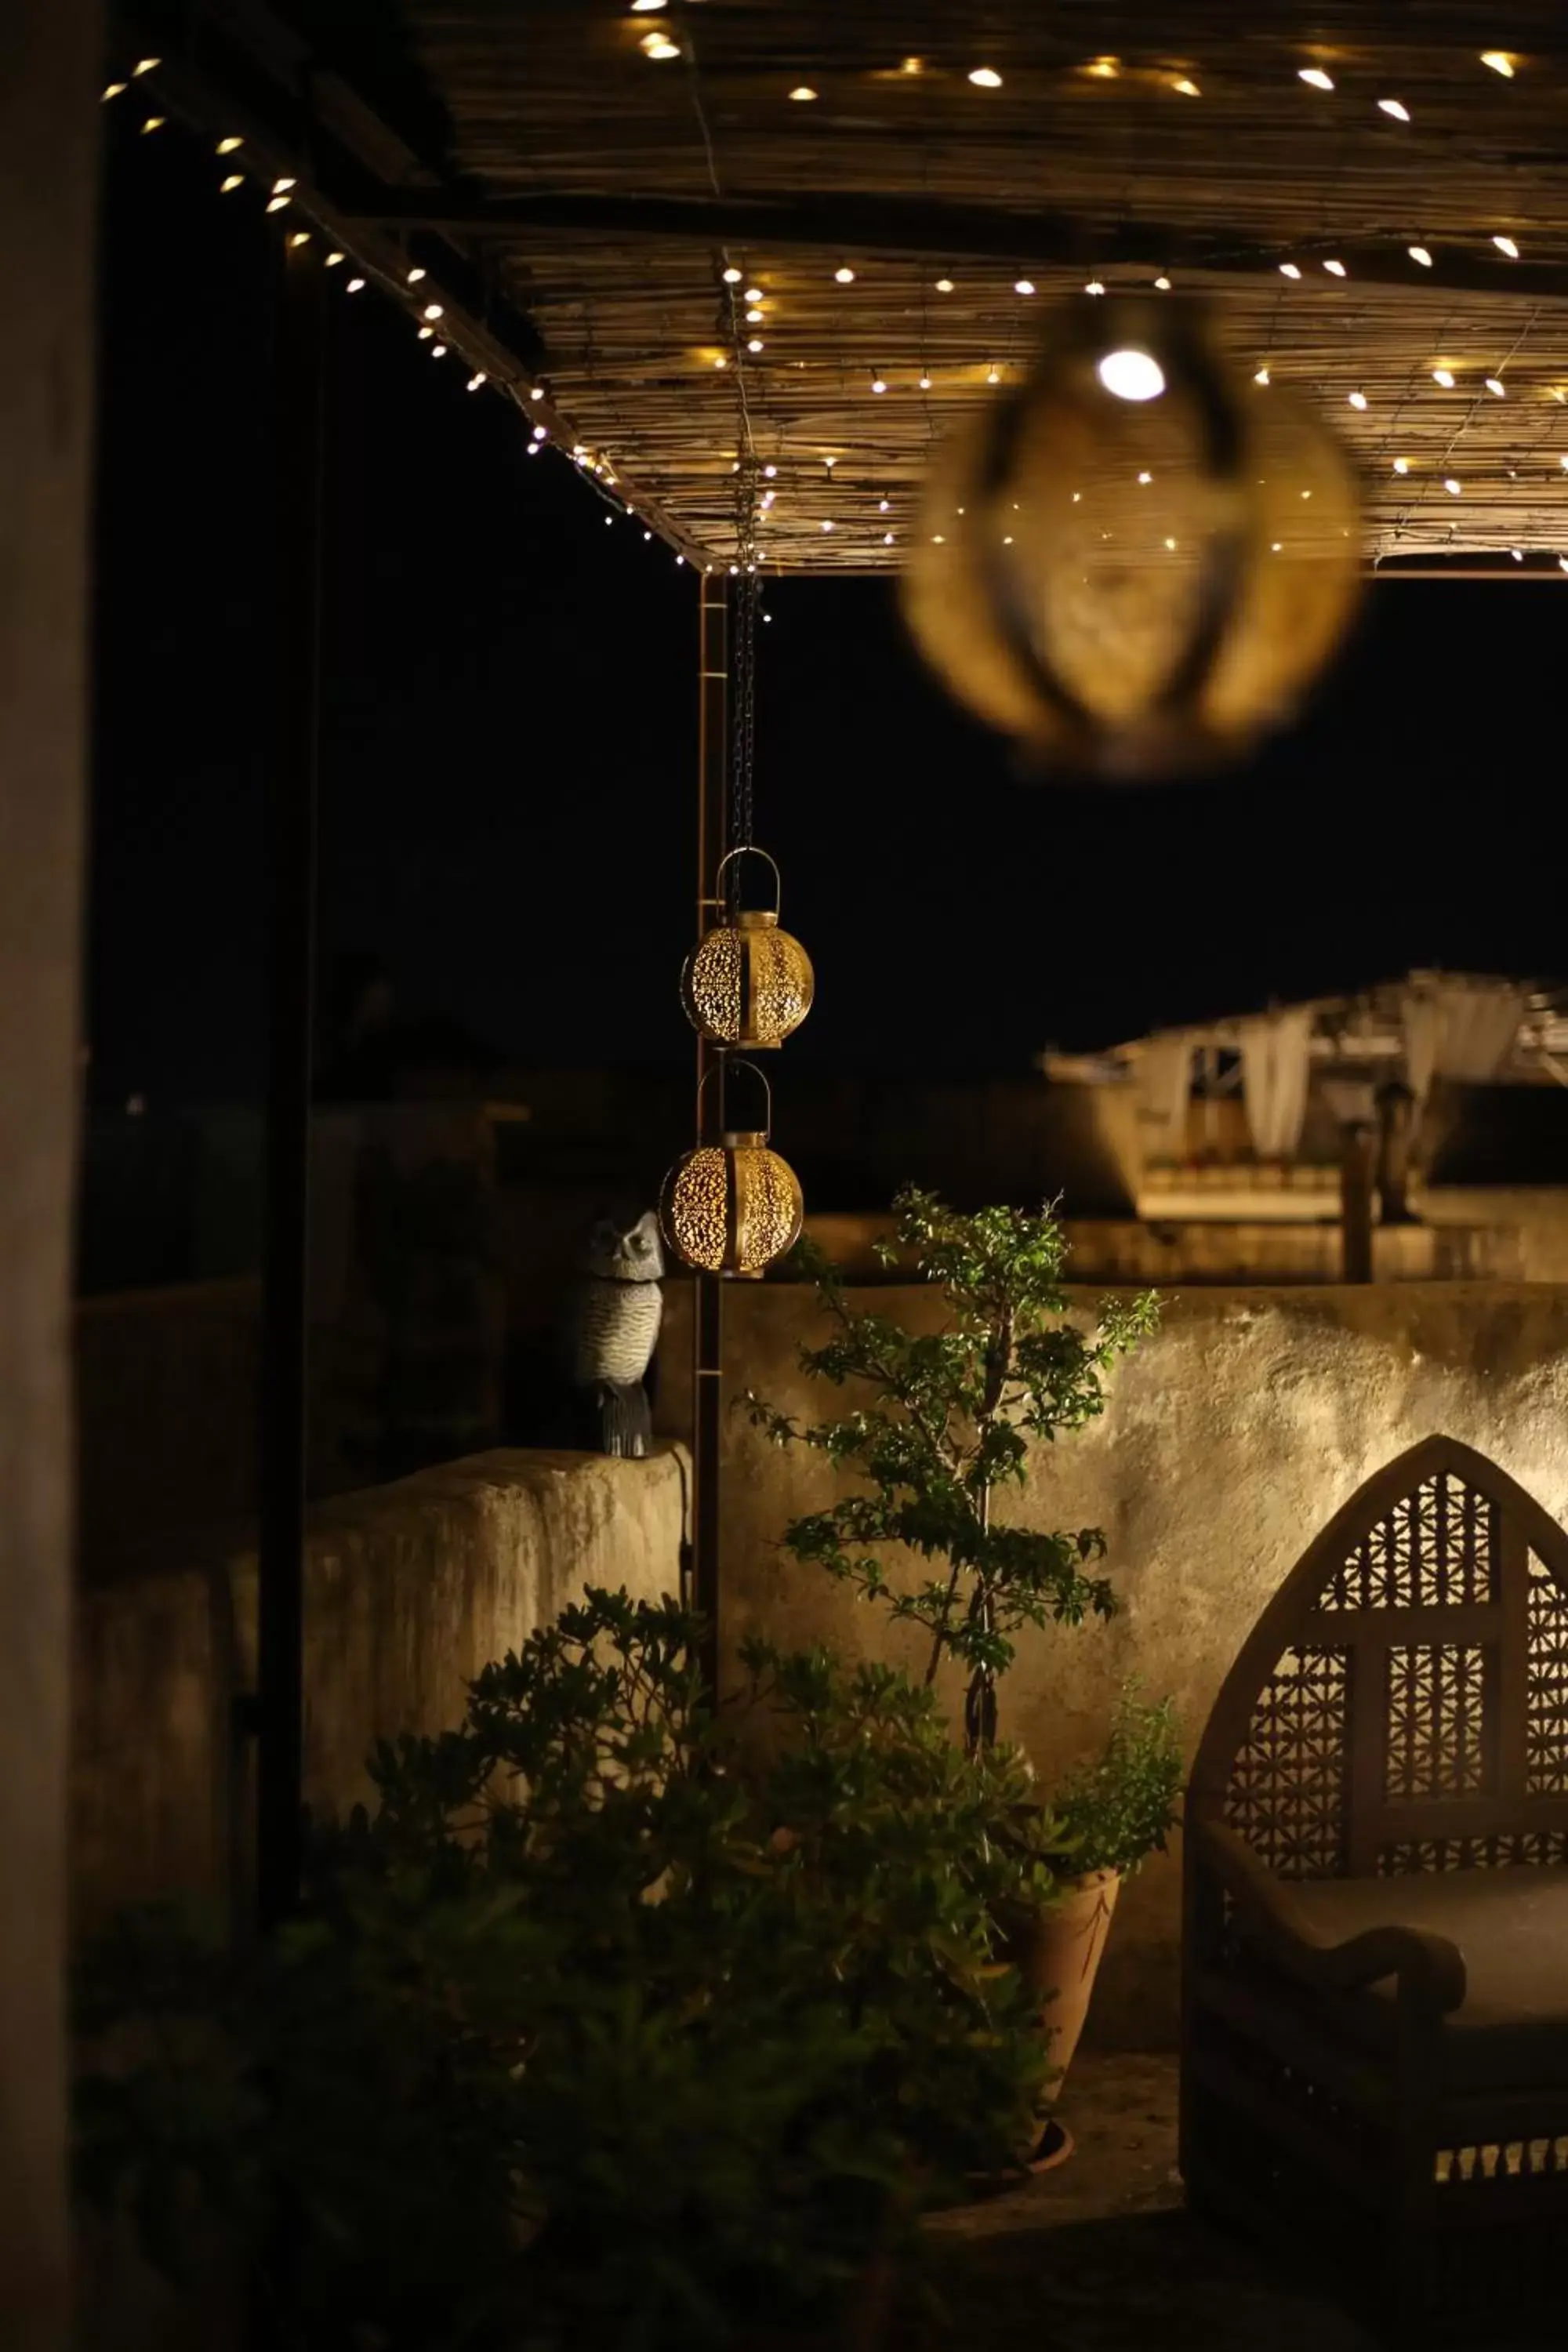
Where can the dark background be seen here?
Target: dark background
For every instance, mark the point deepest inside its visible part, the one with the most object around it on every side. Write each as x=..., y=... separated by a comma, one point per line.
x=510, y=743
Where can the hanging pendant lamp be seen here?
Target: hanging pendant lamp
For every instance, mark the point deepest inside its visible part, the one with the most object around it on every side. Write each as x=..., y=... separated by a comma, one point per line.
x=748, y=982
x=733, y=1207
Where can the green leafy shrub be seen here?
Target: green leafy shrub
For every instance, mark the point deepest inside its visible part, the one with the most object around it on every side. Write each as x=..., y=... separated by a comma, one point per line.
x=615, y=2024
x=943, y=1423
x=1119, y=1807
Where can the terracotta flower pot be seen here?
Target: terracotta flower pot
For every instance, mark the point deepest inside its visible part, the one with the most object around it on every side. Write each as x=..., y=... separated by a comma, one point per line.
x=1057, y=1951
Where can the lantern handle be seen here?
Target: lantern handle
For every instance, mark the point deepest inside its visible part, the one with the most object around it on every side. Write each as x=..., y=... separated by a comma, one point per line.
x=748, y=849
x=722, y=1062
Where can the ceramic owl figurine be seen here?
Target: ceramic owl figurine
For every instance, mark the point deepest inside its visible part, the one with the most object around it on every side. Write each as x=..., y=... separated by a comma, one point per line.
x=610, y=1330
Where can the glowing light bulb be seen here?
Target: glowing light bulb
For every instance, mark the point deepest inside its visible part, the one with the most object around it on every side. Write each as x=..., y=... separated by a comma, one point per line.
x=1506, y=245
x=154, y=122
x=1172, y=545
x=753, y=294
x=879, y=384
x=770, y=471
x=1289, y=269
x=1316, y=76
x=753, y=318
x=434, y=309
x=1260, y=375
x=300, y=237
x=332, y=260
x=1131, y=375
x=277, y=204
x=475, y=381
x=281, y=188
x=925, y=383
x=1186, y=89
x=802, y=93
x=1453, y=487
x=234, y=180
x=115, y=89
x=754, y=343
x=1145, y=478
x=1356, y=399
x=227, y=146
x=542, y=433
x=887, y=538
x=1494, y=384
x=1516, y=554
x=355, y=286
x=659, y=46
x=985, y=77
x=145, y=65
x=1161, y=285
x=883, y=505
x=993, y=376
x=733, y=277
x=1419, y=253
x=1103, y=68
x=827, y=526
x=1396, y=107
x=1335, y=268
x=720, y=361
x=844, y=275
x=426, y=334
x=1402, y=465
x=945, y=285
x=1499, y=61
x=1024, y=285
x=416, y=273
x=437, y=351
x=1444, y=376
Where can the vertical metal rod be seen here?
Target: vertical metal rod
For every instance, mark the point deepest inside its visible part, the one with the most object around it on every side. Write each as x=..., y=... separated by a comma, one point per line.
x=298, y=376
x=707, y=1314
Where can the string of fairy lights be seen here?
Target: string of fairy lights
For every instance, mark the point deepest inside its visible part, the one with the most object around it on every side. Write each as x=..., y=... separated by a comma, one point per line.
x=750, y=309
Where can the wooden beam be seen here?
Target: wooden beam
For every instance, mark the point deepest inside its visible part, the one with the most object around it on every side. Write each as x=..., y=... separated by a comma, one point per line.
x=891, y=225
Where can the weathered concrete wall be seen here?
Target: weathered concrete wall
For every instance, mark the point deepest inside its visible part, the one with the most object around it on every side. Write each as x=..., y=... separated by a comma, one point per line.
x=50, y=80
x=1229, y=1438
x=409, y=1589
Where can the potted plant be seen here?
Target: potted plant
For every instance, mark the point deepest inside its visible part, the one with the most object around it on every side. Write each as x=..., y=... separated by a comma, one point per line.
x=611, y=2027
x=939, y=1427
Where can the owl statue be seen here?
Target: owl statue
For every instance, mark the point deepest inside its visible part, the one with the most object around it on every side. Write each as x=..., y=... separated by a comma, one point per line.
x=610, y=1330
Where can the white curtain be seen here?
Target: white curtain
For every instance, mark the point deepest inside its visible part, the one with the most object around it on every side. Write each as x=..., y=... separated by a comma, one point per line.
x=1461, y=1029
x=1274, y=1071
x=1164, y=1081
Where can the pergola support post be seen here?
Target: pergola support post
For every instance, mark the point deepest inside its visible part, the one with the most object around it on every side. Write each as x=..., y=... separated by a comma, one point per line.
x=708, y=1300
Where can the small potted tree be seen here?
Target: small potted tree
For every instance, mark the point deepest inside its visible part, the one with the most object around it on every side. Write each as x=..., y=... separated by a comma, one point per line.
x=940, y=1426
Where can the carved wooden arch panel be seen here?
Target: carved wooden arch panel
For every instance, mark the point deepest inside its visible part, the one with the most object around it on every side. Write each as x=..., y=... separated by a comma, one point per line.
x=1402, y=1702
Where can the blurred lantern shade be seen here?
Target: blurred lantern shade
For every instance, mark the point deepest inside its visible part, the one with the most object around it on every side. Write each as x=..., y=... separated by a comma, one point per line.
x=732, y=1207
x=1139, y=560
x=747, y=982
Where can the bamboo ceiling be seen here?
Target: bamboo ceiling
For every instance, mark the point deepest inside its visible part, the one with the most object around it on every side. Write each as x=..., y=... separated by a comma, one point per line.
x=601, y=191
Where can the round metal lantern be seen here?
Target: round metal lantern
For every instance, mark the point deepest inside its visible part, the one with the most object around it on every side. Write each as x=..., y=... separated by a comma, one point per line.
x=734, y=1206
x=1139, y=560
x=748, y=982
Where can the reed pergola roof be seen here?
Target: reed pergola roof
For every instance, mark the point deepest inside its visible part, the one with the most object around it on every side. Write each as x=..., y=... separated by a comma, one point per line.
x=590, y=196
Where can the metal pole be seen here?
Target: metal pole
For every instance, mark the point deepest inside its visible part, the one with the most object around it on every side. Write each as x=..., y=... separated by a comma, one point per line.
x=298, y=390
x=707, y=1314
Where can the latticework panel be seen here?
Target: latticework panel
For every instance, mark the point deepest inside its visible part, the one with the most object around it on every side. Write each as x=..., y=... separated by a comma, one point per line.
x=1437, y=1547
x=1546, y=1687
x=1499, y=1850
x=1436, y=1719
x=1287, y=1790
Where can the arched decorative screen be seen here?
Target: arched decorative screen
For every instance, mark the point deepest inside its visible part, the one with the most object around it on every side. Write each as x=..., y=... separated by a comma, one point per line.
x=1402, y=1703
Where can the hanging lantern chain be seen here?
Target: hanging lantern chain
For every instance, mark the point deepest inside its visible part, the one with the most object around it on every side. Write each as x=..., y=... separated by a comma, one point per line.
x=744, y=670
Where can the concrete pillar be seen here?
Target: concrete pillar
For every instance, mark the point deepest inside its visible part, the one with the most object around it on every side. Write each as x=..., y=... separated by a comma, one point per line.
x=48, y=136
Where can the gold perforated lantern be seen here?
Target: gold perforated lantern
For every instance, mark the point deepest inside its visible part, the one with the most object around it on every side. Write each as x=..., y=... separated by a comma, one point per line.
x=732, y=1207
x=748, y=982
x=1137, y=560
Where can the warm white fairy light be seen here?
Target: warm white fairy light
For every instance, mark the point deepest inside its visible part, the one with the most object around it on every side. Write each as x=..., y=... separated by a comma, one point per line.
x=333, y=258
x=803, y=92
x=1289, y=269
x=426, y=334
x=1172, y=545
x=1356, y=399
x=827, y=526
x=1396, y=107
x=985, y=77
x=1506, y=245
x=281, y=188
x=646, y=7
x=1402, y=465
x=770, y=471
x=277, y=204
x=994, y=375
x=154, y=122
x=879, y=384
x=733, y=277
x=1444, y=376
x=1495, y=385
x=234, y=180
x=1103, y=68
x=1517, y=553
x=925, y=383
x=754, y=343
x=144, y=65
x=887, y=538
x=541, y=432
x=753, y=294
x=300, y=237
x=1023, y=285
x=1094, y=287
x=229, y=146
x=830, y=463
x=1419, y=253
x=1145, y=478
x=415, y=274
x=1260, y=375
x=753, y=318
x=1499, y=61
x=945, y=285
x=437, y=351
x=1316, y=76
x=1186, y=88
x=659, y=46
x=1335, y=268
x=1161, y=285
x=115, y=89
x=476, y=380
x=434, y=309
x=1453, y=487
x=355, y=286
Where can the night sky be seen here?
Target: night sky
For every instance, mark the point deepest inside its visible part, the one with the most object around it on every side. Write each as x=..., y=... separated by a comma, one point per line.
x=510, y=743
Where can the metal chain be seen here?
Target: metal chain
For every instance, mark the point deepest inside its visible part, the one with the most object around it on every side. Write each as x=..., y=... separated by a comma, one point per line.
x=745, y=593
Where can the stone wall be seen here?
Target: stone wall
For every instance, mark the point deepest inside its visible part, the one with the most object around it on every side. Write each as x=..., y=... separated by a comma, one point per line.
x=1229, y=1438
x=409, y=1589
